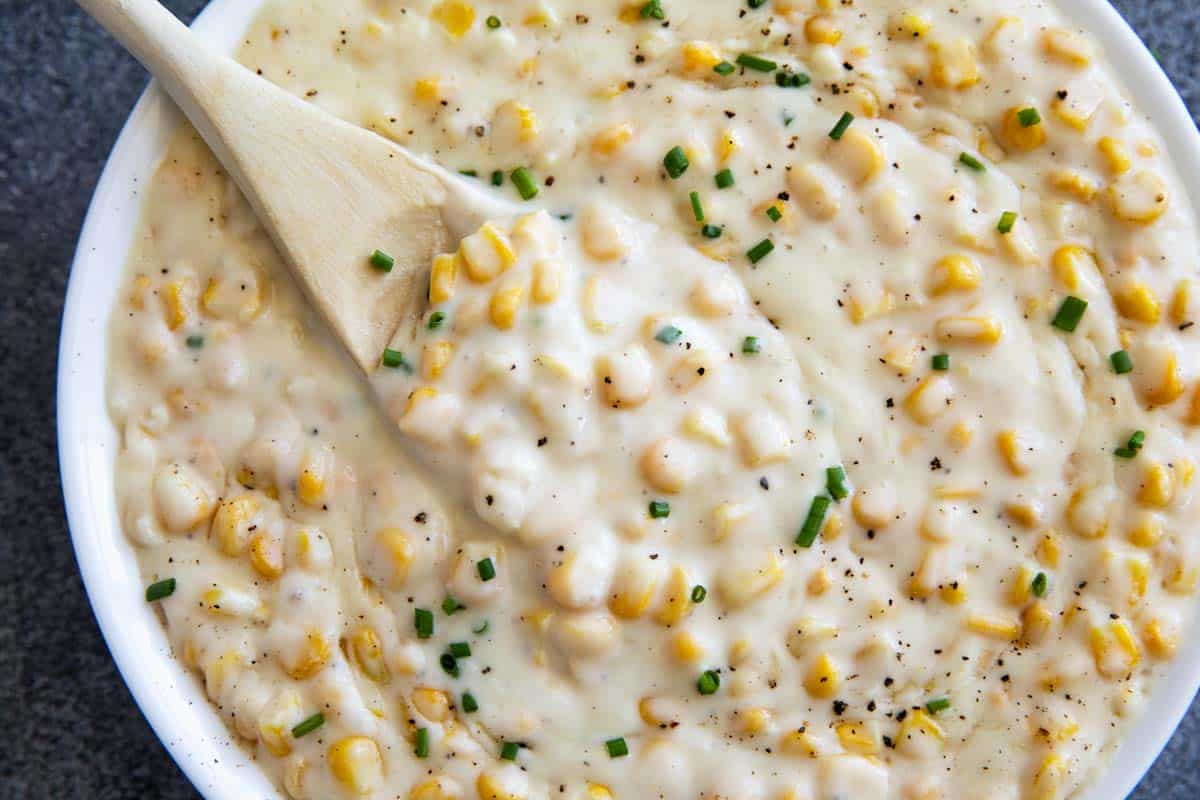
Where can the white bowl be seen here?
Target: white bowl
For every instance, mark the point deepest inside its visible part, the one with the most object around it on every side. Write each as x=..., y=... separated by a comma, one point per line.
x=171, y=698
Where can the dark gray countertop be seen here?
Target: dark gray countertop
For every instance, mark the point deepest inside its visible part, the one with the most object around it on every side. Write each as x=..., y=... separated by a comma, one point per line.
x=71, y=729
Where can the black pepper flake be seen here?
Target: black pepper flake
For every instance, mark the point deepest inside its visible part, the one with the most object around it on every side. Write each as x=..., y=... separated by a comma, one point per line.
x=839, y=706
x=764, y=483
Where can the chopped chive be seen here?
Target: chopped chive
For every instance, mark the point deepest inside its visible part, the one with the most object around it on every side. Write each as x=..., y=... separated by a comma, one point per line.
x=968, y=160
x=708, y=682
x=421, y=744
x=940, y=362
x=1007, y=220
x=773, y=213
x=653, y=10
x=788, y=119
x=699, y=593
x=750, y=345
x=449, y=664
x=497, y=177
x=835, y=483
x=309, y=725
x=1038, y=587
x=756, y=3
x=1028, y=117
x=493, y=22
x=450, y=605
x=470, y=173
x=697, y=208
x=480, y=629
x=940, y=704
x=760, y=251
x=382, y=261
x=1121, y=362
x=486, y=569
x=711, y=231
x=195, y=341
x=524, y=183
x=509, y=750
x=436, y=319
x=1069, y=313
x=616, y=747
x=660, y=509
x=791, y=80
x=675, y=161
x=460, y=649
x=668, y=334
x=756, y=63
x=842, y=124
x=724, y=68
x=160, y=589
x=724, y=179
x=469, y=703
x=396, y=360
x=812, y=522
x=1131, y=448
x=423, y=622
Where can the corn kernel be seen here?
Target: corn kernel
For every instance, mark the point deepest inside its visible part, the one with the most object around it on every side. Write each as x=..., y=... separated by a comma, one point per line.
x=174, y=304
x=1068, y=261
x=434, y=358
x=266, y=555
x=1047, y=781
x=1074, y=183
x=929, y=399
x=231, y=524
x=993, y=626
x=1036, y=620
x=953, y=64
x=859, y=155
x=677, y=598
x=799, y=743
x=1160, y=638
x=356, y=763
x=1018, y=136
x=823, y=678
x=504, y=306
x=427, y=90
x=310, y=658
x=432, y=704
x=1140, y=197
x=1015, y=452
x=699, y=58
x=486, y=253
x=859, y=737
x=612, y=139
x=753, y=721
x=1136, y=301
x=821, y=29
x=1158, y=486
x=1066, y=46
x=442, y=278
x=911, y=24
x=1114, y=649
x=455, y=16
x=955, y=273
x=367, y=651
x=1116, y=155
x=985, y=330
x=1181, y=301
x=740, y=586
x=1049, y=549
x=685, y=648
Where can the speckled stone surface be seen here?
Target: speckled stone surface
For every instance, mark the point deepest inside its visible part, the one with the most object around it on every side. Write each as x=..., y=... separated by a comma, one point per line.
x=70, y=727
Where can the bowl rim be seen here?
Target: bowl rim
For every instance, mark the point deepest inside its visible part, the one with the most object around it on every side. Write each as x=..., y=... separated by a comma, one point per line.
x=169, y=696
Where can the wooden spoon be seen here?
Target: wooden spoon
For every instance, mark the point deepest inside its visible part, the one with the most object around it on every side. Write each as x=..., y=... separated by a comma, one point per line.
x=329, y=193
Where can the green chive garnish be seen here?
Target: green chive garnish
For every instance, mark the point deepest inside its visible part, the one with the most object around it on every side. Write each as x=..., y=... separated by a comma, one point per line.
x=460, y=649
x=697, y=209
x=756, y=63
x=940, y=704
x=469, y=704
x=470, y=173
x=842, y=124
x=699, y=593
x=711, y=231
x=497, y=177
x=724, y=179
x=160, y=589
x=524, y=183
x=724, y=68
x=750, y=345
x=493, y=22
x=760, y=251
x=480, y=629
x=968, y=160
x=308, y=726
x=791, y=80
x=616, y=747
x=812, y=522
x=396, y=360
x=509, y=750
x=382, y=261
x=421, y=744
x=675, y=161
x=450, y=605
x=773, y=213
x=1028, y=117
x=756, y=3
x=835, y=483
x=1069, y=313
x=1131, y=448
x=941, y=362
x=1039, y=585
x=486, y=569
x=708, y=682
x=668, y=334
x=436, y=319
x=423, y=622
x=660, y=509
x=1121, y=362
x=449, y=664
x=653, y=10
x=195, y=341
x=1007, y=220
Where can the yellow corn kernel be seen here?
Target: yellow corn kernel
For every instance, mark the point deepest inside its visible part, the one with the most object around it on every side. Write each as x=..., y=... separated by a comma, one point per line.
x=427, y=90
x=1168, y=389
x=1161, y=640
x=494, y=787
x=973, y=329
x=929, y=399
x=820, y=29
x=432, y=704
x=740, y=587
x=953, y=593
x=633, y=592
x=598, y=791
x=859, y=737
x=504, y=306
x=276, y=721
x=1139, y=578
x=833, y=526
x=1019, y=591
x=955, y=273
x=903, y=357
x=174, y=305
x=707, y=425
x=960, y=435
x=863, y=309
x=1116, y=155
x=1075, y=115
x=529, y=127
x=442, y=278
x=994, y=626
x=1000, y=41
x=399, y=550
x=1036, y=620
x=685, y=648
x=231, y=522
x=487, y=253
x=1067, y=262
x=1066, y=46
x=1158, y=486
x=868, y=101
x=612, y=139
x=367, y=651
x=1136, y=301
x=266, y=555
x=547, y=281
x=727, y=145
x=1026, y=514
x=455, y=16
x=753, y=721
x=1114, y=649
x=1181, y=301
x=699, y=58
x=310, y=658
x=436, y=788
x=727, y=518
x=819, y=582
x=953, y=64
x=1182, y=578
x=1047, y=781
x=434, y=358
x=1014, y=451
x=918, y=723
x=1140, y=197
x=138, y=291
x=310, y=485
x=356, y=763
x=1074, y=183
x=677, y=599
x=911, y=24
x=1018, y=136
x=823, y=678
x=859, y=155
x=1185, y=470
x=1049, y=549
x=799, y=743
x=1146, y=530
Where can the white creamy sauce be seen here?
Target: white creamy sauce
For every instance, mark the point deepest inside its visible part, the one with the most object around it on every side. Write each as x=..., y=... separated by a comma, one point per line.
x=804, y=480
